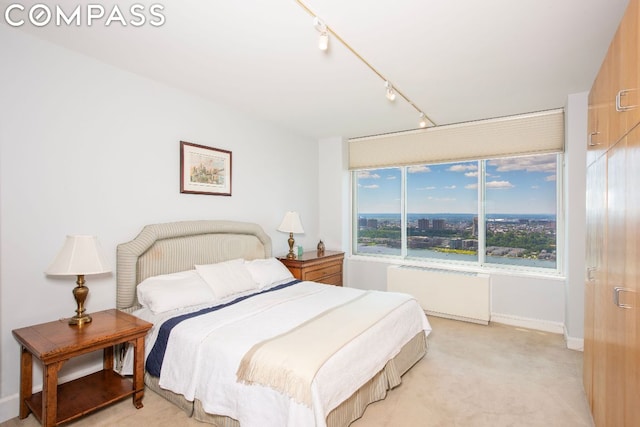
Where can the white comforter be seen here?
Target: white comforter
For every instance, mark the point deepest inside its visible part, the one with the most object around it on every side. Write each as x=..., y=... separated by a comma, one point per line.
x=203, y=354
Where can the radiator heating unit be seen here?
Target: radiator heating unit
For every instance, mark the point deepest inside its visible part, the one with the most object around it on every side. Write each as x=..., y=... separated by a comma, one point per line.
x=444, y=293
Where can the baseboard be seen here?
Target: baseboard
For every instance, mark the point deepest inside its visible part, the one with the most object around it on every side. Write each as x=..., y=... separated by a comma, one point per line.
x=524, y=322
x=454, y=317
x=573, y=343
x=9, y=407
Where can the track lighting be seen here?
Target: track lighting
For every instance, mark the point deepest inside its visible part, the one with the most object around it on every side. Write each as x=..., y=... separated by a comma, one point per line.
x=423, y=120
x=323, y=41
x=391, y=93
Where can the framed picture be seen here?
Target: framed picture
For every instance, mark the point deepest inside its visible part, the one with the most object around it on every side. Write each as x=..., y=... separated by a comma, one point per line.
x=204, y=170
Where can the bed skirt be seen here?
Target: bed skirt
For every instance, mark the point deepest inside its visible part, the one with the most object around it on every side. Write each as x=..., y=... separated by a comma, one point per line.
x=343, y=415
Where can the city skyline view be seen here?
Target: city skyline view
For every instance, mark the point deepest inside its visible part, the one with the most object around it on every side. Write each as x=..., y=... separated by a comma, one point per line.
x=515, y=185
x=514, y=239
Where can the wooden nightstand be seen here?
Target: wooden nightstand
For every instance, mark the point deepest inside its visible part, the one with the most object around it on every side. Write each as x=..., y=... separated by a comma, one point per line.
x=325, y=268
x=56, y=342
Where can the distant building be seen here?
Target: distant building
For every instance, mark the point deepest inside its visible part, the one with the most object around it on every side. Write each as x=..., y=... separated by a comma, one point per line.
x=438, y=224
x=362, y=222
x=474, y=231
x=470, y=244
x=455, y=243
x=372, y=223
x=423, y=224
x=419, y=242
x=438, y=241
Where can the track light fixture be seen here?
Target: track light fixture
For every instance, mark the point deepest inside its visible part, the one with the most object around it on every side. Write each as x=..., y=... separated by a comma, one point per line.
x=391, y=93
x=323, y=44
x=423, y=120
x=323, y=41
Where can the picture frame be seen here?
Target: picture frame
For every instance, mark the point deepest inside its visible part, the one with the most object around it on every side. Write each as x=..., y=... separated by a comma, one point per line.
x=204, y=170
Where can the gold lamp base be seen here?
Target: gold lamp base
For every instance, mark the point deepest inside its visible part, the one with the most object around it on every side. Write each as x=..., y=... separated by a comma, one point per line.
x=80, y=293
x=291, y=255
x=80, y=320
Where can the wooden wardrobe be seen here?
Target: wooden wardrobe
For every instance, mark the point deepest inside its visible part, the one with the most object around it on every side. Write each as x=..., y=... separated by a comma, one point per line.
x=612, y=300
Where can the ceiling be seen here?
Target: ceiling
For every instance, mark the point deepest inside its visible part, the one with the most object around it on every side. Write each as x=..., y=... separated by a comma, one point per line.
x=456, y=60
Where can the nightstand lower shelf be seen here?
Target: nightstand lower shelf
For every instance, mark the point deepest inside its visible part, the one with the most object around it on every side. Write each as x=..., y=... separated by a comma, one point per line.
x=85, y=395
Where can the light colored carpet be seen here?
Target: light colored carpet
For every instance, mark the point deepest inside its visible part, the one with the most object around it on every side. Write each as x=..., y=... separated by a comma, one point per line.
x=472, y=376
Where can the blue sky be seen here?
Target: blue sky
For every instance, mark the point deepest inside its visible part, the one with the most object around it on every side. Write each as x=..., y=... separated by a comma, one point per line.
x=515, y=185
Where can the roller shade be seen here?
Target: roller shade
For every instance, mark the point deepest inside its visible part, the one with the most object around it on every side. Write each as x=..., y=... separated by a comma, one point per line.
x=534, y=133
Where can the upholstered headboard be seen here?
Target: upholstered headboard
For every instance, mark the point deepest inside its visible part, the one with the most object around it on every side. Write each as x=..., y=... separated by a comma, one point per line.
x=178, y=246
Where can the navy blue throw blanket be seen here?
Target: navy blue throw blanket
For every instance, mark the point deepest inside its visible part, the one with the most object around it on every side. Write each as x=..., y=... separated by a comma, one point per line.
x=156, y=356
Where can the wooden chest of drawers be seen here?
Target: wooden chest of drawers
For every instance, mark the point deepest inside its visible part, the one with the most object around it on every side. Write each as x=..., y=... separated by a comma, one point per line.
x=323, y=268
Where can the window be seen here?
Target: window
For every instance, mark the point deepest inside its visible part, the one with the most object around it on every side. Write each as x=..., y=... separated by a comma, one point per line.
x=379, y=211
x=442, y=208
x=521, y=201
x=499, y=212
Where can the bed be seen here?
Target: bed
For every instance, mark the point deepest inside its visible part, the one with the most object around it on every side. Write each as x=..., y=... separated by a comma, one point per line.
x=356, y=373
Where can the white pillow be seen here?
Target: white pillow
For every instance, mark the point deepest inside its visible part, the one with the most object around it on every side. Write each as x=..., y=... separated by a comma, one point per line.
x=176, y=290
x=227, y=278
x=267, y=271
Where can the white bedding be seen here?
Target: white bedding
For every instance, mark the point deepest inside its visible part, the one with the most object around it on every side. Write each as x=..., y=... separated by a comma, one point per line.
x=203, y=354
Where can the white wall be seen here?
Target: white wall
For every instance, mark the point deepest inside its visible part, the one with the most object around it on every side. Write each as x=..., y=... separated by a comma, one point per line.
x=333, y=193
x=87, y=148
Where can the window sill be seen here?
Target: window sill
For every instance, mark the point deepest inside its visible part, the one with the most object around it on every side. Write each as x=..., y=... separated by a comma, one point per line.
x=465, y=268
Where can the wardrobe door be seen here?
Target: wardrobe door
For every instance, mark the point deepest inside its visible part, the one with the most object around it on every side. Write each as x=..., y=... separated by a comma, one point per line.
x=595, y=209
x=624, y=75
x=622, y=91
x=613, y=315
x=600, y=105
x=629, y=297
x=596, y=334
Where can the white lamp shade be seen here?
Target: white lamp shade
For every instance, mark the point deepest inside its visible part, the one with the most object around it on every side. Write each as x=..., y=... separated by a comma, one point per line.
x=79, y=255
x=291, y=223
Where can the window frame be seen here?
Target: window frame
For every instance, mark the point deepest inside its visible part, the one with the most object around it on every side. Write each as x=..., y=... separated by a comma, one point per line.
x=477, y=266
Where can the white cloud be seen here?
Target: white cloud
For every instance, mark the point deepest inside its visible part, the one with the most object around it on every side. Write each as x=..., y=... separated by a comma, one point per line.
x=425, y=188
x=463, y=168
x=368, y=175
x=499, y=185
x=550, y=178
x=471, y=186
x=471, y=174
x=418, y=169
x=541, y=163
x=371, y=187
x=450, y=187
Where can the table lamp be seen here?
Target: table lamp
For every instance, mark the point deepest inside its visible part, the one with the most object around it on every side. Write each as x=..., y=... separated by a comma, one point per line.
x=291, y=224
x=79, y=256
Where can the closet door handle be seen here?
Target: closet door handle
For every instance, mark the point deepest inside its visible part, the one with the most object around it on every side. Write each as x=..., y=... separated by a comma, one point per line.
x=616, y=296
x=591, y=135
x=590, y=272
x=619, y=107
